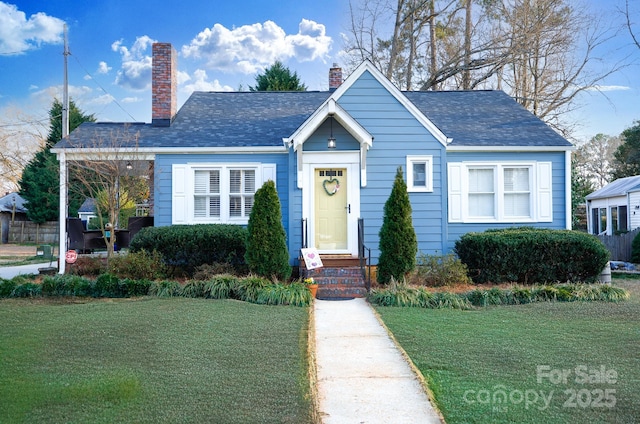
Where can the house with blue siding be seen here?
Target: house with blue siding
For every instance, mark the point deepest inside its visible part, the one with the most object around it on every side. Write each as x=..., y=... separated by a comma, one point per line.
x=472, y=160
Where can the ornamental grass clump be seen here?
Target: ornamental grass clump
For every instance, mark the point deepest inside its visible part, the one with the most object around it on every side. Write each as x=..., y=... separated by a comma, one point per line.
x=221, y=287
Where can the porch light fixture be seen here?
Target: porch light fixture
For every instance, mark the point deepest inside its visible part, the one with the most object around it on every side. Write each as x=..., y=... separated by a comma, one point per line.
x=129, y=166
x=332, y=141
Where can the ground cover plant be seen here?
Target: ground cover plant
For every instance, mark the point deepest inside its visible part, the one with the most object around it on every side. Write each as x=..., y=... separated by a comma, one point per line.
x=152, y=360
x=506, y=364
x=402, y=294
x=248, y=289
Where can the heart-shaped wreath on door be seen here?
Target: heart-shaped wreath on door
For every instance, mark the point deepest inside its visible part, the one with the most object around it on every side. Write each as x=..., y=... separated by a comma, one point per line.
x=331, y=186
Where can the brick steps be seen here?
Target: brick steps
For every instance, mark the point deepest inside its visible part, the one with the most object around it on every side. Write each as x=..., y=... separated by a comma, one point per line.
x=340, y=278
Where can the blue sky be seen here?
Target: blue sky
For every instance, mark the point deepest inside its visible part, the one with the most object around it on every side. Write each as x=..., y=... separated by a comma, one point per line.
x=109, y=41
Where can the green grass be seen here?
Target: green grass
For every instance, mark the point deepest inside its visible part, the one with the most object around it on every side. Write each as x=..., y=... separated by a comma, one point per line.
x=152, y=361
x=468, y=357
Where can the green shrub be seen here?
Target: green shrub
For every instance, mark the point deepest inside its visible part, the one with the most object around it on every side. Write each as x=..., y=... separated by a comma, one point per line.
x=446, y=300
x=529, y=255
x=267, y=254
x=194, y=288
x=66, y=285
x=544, y=293
x=165, y=289
x=295, y=294
x=436, y=271
x=635, y=249
x=87, y=266
x=221, y=287
x=609, y=293
x=135, y=287
x=27, y=290
x=401, y=295
x=249, y=288
x=107, y=285
x=398, y=243
x=6, y=287
x=521, y=295
x=188, y=246
x=207, y=271
x=138, y=265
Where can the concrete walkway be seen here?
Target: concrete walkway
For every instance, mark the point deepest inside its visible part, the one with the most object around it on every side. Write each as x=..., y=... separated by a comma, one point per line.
x=362, y=376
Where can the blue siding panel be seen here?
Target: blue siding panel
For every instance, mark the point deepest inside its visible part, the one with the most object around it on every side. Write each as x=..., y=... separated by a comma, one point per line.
x=396, y=134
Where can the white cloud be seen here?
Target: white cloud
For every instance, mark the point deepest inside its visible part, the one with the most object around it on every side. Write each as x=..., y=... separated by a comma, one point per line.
x=130, y=100
x=77, y=93
x=103, y=68
x=135, y=72
x=201, y=82
x=608, y=88
x=250, y=48
x=104, y=99
x=311, y=41
x=19, y=34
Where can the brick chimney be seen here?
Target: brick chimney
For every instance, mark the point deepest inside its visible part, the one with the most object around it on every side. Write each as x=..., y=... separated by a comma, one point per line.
x=164, y=84
x=335, y=77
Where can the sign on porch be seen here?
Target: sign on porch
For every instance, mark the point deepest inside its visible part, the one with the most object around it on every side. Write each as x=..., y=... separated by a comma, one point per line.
x=311, y=258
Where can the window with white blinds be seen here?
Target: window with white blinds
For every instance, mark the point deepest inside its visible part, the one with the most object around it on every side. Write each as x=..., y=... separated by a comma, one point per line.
x=517, y=192
x=242, y=186
x=216, y=192
x=206, y=190
x=482, y=192
x=500, y=192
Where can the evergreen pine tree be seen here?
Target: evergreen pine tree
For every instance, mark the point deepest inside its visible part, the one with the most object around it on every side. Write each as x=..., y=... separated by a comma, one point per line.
x=278, y=78
x=267, y=254
x=398, y=242
x=40, y=182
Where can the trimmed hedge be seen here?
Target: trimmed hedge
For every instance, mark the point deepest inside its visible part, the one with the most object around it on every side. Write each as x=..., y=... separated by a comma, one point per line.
x=529, y=255
x=189, y=246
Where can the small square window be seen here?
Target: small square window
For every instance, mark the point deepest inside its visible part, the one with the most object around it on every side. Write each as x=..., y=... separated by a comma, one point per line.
x=420, y=173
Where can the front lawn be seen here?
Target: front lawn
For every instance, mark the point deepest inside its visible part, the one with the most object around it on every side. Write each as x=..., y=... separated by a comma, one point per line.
x=546, y=362
x=151, y=360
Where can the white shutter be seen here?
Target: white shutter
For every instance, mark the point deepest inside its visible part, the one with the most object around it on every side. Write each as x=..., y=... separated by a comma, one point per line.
x=179, y=208
x=269, y=172
x=545, y=192
x=455, y=191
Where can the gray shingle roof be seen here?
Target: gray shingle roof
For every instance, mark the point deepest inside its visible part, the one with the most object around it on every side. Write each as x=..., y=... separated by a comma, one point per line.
x=484, y=118
x=619, y=187
x=246, y=119
x=6, y=203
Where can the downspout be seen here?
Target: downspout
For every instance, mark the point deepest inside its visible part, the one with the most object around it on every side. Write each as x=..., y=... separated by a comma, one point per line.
x=567, y=182
x=62, y=237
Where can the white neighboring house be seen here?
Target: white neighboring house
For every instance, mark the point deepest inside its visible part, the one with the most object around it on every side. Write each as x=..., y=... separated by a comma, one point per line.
x=615, y=208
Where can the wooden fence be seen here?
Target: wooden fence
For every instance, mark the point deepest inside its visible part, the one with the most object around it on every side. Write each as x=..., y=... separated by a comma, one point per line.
x=620, y=246
x=30, y=232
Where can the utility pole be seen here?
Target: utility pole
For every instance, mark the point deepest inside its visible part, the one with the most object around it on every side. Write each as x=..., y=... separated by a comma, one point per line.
x=65, y=90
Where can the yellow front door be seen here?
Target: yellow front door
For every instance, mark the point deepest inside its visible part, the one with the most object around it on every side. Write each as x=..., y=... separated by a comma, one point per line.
x=331, y=208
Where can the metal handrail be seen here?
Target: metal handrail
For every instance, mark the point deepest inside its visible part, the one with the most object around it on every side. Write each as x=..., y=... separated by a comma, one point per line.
x=362, y=250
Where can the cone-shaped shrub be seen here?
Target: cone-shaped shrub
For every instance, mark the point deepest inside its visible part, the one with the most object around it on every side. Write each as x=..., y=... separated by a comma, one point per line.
x=267, y=254
x=398, y=242
x=635, y=249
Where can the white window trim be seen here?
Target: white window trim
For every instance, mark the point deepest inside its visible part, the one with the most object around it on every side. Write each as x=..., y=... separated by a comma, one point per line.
x=428, y=161
x=183, y=186
x=540, y=190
